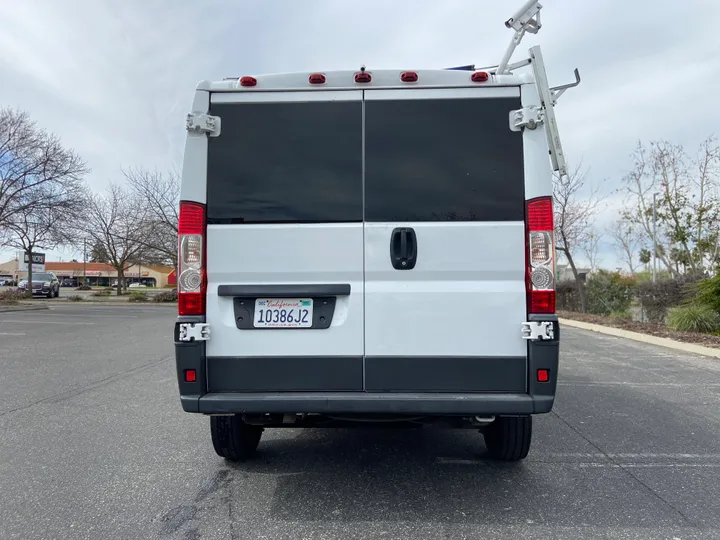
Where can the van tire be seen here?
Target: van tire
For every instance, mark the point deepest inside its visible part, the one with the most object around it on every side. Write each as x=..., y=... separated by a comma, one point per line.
x=233, y=439
x=508, y=438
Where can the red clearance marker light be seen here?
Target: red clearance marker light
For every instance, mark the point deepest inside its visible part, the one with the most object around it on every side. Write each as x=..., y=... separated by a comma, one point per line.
x=543, y=375
x=409, y=76
x=248, y=81
x=316, y=78
x=480, y=76
x=190, y=375
x=363, y=77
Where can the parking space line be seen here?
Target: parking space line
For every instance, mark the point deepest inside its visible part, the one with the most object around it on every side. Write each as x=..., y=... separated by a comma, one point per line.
x=629, y=455
x=12, y=334
x=97, y=316
x=33, y=321
x=645, y=465
x=640, y=384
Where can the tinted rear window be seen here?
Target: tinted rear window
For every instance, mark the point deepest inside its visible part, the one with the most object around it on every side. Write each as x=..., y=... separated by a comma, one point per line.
x=286, y=163
x=443, y=160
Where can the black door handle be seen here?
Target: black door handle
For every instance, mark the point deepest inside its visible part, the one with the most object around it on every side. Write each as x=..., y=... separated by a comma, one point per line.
x=403, y=248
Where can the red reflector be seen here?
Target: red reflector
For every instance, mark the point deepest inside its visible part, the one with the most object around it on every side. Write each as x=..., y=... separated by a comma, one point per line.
x=409, y=76
x=540, y=214
x=192, y=218
x=480, y=76
x=191, y=303
x=542, y=302
x=363, y=77
x=543, y=375
x=316, y=78
x=248, y=81
x=190, y=375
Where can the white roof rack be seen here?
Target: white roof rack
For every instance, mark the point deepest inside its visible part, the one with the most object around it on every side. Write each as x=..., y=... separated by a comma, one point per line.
x=527, y=19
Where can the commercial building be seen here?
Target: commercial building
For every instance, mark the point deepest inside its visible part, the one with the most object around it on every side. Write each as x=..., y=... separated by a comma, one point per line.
x=97, y=274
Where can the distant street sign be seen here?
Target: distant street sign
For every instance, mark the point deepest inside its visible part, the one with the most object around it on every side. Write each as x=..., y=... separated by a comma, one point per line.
x=38, y=262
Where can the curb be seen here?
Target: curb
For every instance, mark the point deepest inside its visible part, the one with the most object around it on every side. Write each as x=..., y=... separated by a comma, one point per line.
x=644, y=338
x=11, y=309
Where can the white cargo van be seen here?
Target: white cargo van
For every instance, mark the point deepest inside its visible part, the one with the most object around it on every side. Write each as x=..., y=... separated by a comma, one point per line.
x=370, y=245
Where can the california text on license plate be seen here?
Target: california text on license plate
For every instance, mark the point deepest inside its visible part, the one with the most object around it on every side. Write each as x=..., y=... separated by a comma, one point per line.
x=283, y=313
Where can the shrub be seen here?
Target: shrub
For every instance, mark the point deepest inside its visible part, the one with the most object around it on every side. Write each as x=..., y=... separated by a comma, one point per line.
x=138, y=297
x=708, y=293
x=657, y=298
x=75, y=298
x=609, y=292
x=567, y=296
x=101, y=293
x=84, y=288
x=621, y=315
x=166, y=297
x=11, y=297
x=693, y=318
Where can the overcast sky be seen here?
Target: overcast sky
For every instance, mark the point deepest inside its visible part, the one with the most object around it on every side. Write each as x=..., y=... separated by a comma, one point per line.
x=115, y=79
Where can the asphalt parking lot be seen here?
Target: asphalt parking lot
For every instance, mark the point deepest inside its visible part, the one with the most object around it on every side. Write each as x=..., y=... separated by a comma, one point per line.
x=94, y=444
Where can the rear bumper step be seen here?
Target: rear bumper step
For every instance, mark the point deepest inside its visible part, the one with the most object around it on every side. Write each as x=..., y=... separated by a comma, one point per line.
x=369, y=403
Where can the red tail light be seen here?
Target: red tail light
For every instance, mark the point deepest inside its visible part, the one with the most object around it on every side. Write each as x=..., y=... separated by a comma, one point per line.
x=190, y=375
x=363, y=77
x=480, y=76
x=409, y=76
x=248, y=81
x=191, y=280
x=317, y=78
x=540, y=255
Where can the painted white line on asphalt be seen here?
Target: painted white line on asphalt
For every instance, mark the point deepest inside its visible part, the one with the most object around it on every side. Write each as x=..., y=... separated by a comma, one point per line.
x=33, y=321
x=646, y=465
x=631, y=455
x=96, y=316
x=640, y=385
x=458, y=461
x=11, y=334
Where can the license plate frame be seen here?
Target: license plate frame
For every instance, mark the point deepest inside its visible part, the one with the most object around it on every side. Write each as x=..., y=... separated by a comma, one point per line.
x=244, y=312
x=283, y=313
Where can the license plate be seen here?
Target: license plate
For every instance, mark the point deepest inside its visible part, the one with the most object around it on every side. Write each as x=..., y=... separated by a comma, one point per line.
x=283, y=313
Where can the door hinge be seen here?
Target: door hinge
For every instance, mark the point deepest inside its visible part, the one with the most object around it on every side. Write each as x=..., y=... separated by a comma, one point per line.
x=194, y=332
x=529, y=117
x=538, y=331
x=203, y=123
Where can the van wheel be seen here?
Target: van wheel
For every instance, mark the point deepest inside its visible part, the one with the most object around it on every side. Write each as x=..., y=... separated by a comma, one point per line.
x=508, y=438
x=233, y=439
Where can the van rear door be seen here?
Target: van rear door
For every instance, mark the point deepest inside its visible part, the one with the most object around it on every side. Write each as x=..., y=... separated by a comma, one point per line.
x=444, y=241
x=285, y=242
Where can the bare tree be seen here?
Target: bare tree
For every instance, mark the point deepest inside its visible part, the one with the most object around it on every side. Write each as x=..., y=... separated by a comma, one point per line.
x=34, y=169
x=575, y=208
x=162, y=195
x=687, y=210
x=48, y=226
x=628, y=240
x=114, y=224
x=591, y=248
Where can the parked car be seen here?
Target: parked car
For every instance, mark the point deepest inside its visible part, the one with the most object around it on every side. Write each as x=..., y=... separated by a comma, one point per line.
x=43, y=284
x=70, y=283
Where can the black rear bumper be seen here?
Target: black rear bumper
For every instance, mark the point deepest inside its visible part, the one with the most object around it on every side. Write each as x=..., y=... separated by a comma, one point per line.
x=370, y=403
x=229, y=385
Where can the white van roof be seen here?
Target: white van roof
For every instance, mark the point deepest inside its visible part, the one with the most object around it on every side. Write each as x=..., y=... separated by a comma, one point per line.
x=345, y=80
